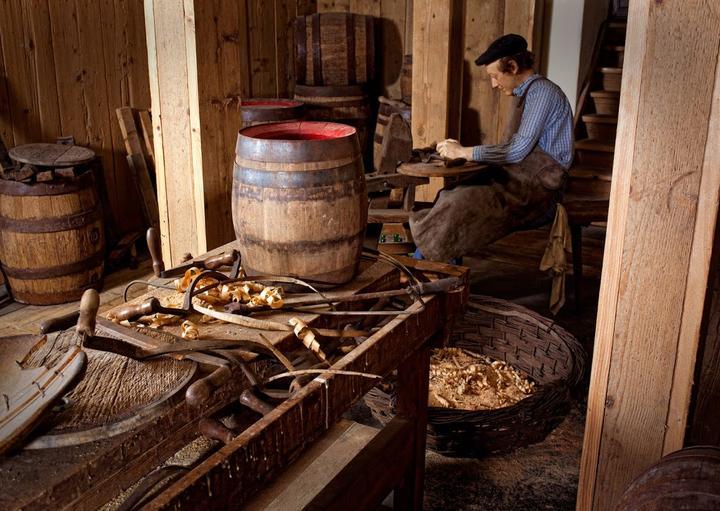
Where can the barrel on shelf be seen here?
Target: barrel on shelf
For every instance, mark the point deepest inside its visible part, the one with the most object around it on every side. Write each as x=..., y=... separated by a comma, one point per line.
x=334, y=48
x=406, y=80
x=386, y=108
x=600, y=127
x=51, y=239
x=299, y=201
x=687, y=479
x=347, y=104
x=263, y=110
x=611, y=78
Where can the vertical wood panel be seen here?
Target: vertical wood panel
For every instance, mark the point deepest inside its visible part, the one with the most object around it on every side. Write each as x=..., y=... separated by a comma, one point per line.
x=261, y=27
x=656, y=253
x=6, y=130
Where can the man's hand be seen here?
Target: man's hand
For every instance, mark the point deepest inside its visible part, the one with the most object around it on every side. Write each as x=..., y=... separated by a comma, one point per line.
x=452, y=149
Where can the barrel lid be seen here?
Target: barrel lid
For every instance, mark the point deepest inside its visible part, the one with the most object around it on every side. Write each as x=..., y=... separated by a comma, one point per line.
x=51, y=155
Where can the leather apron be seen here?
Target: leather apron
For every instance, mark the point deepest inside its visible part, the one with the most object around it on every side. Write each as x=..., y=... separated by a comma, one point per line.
x=492, y=204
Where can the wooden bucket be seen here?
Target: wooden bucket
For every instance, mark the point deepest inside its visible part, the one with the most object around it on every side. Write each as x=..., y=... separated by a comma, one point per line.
x=299, y=202
x=406, y=80
x=687, y=479
x=334, y=48
x=600, y=127
x=606, y=102
x=264, y=110
x=51, y=239
x=348, y=105
x=387, y=108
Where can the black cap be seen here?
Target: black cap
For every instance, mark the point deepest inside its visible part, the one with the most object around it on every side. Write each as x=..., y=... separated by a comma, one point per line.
x=505, y=46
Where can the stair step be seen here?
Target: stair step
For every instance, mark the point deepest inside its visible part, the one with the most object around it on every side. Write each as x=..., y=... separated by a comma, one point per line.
x=611, y=78
x=617, y=24
x=606, y=102
x=600, y=127
x=601, y=146
x=614, y=47
x=589, y=172
x=614, y=55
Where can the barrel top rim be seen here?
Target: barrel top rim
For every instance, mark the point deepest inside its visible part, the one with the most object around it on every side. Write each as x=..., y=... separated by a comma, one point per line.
x=266, y=103
x=298, y=131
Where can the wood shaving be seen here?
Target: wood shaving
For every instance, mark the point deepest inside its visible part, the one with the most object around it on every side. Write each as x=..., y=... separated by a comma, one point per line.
x=189, y=330
x=464, y=380
x=307, y=337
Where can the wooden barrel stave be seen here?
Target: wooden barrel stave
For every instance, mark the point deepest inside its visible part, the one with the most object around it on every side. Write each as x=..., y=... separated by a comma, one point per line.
x=263, y=110
x=300, y=206
x=51, y=243
x=686, y=479
x=334, y=48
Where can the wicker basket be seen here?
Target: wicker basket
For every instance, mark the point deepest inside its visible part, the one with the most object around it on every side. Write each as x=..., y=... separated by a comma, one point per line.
x=527, y=341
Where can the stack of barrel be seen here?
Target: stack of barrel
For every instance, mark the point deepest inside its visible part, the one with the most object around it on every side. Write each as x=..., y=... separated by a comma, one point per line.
x=334, y=66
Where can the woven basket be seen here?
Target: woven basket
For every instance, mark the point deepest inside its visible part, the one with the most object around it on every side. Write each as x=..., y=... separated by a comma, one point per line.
x=527, y=341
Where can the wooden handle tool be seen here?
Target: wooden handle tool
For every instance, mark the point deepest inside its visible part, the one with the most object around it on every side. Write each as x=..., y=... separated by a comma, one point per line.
x=249, y=398
x=89, y=304
x=213, y=428
x=199, y=392
x=153, y=242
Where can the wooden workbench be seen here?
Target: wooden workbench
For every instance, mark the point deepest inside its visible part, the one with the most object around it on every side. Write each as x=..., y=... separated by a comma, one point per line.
x=85, y=477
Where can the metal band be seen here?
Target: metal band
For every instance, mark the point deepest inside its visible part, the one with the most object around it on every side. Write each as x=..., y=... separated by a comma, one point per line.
x=370, y=48
x=57, y=224
x=350, y=40
x=309, y=246
x=301, y=46
x=94, y=261
x=315, y=194
x=317, y=57
x=252, y=176
x=65, y=186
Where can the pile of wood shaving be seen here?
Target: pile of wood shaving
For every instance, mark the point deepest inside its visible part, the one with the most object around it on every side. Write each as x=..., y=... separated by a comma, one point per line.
x=468, y=381
x=253, y=294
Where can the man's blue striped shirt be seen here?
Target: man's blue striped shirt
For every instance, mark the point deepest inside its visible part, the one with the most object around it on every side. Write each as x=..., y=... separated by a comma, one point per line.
x=546, y=121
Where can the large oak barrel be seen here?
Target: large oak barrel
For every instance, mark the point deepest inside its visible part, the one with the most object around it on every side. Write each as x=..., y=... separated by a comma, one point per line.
x=263, y=110
x=51, y=239
x=347, y=104
x=334, y=48
x=299, y=202
x=687, y=479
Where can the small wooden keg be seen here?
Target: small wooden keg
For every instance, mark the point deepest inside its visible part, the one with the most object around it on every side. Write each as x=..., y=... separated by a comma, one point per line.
x=51, y=239
x=299, y=201
x=264, y=110
x=334, y=48
x=687, y=479
x=406, y=80
x=387, y=108
x=346, y=104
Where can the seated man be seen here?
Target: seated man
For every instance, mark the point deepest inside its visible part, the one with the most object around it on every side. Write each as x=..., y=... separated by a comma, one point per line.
x=528, y=171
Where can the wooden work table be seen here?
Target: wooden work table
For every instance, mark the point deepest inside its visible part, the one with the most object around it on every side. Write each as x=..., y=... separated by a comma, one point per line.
x=87, y=476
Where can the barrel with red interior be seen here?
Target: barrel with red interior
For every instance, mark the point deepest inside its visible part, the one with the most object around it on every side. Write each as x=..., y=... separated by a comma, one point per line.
x=299, y=202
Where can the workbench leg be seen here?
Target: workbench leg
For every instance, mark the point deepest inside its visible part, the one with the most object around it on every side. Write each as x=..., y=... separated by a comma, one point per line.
x=413, y=376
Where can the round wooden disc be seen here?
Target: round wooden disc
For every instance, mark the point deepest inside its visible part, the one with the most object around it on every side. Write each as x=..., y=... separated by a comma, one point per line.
x=51, y=155
x=116, y=395
x=437, y=169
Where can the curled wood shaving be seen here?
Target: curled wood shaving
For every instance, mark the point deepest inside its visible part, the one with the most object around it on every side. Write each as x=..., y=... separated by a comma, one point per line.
x=189, y=330
x=307, y=337
x=465, y=380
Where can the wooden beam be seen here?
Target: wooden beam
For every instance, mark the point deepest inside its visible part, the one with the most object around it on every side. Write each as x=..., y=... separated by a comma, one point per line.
x=662, y=221
x=435, y=106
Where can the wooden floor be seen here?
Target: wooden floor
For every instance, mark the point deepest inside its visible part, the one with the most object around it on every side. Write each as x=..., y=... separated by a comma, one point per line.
x=17, y=318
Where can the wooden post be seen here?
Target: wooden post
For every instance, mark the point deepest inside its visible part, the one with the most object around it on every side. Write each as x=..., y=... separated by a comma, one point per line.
x=664, y=206
x=435, y=106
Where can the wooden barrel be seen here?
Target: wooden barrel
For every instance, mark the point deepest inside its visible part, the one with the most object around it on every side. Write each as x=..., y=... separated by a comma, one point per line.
x=264, y=110
x=348, y=105
x=687, y=479
x=387, y=107
x=51, y=239
x=334, y=48
x=299, y=202
x=406, y=80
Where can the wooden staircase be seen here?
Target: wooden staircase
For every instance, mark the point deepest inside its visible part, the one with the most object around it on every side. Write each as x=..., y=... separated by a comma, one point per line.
x=596, y=116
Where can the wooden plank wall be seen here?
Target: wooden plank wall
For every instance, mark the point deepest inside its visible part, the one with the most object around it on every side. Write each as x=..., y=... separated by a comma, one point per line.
x=661, y=228
x=64, y=68
x=231, y=49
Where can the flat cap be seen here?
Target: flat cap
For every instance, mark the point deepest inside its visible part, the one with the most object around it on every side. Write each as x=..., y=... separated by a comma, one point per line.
x=505, y=46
